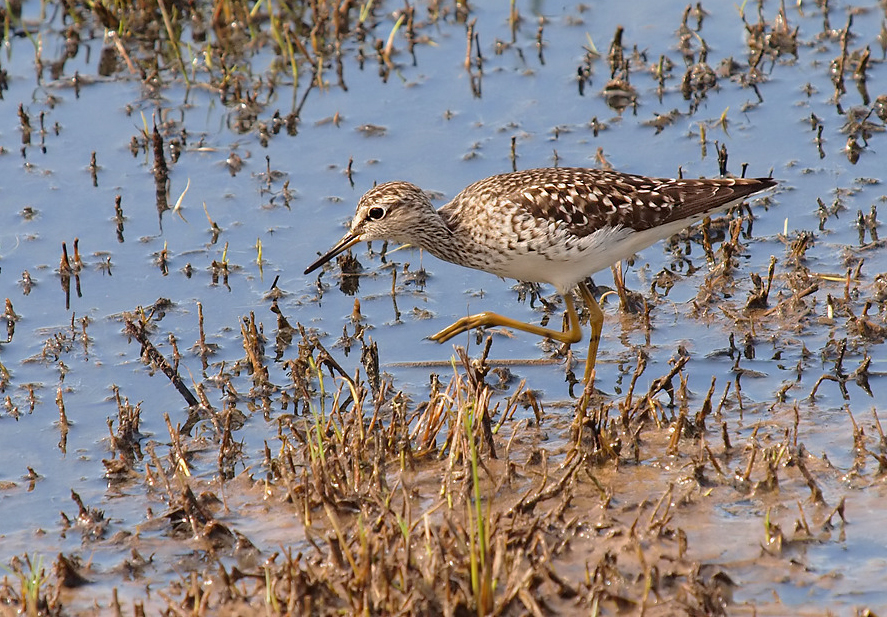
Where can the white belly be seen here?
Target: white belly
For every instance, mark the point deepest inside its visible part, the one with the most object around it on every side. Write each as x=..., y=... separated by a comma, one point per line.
x=565, y=261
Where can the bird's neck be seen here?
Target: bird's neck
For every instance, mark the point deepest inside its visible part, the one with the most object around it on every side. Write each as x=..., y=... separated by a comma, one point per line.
x=437, y=235
x=432, y=233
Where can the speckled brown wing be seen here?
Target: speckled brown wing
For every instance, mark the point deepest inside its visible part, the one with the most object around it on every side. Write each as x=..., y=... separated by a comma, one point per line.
x=695, y=197
x=586, y=200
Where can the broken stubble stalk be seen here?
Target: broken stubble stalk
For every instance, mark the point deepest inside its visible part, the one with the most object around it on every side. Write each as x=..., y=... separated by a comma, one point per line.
x=316, y=450
x=478, y=525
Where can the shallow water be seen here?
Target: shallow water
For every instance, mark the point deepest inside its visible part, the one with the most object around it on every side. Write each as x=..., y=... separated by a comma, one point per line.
x=440, y=136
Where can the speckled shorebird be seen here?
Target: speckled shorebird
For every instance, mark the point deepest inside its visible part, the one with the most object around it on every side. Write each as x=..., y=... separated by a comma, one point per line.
x=552, y=225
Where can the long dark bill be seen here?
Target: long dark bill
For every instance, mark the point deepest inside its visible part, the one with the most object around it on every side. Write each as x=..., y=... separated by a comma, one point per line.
x=344, y=244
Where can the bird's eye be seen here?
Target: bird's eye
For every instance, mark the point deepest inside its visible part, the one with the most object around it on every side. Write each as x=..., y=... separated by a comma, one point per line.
x=376, y=213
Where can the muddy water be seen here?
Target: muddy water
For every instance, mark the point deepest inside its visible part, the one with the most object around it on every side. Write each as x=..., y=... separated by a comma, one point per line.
x=435, y=123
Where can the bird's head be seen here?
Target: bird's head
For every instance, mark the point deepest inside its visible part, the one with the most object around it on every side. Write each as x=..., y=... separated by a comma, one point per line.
x=391, y=211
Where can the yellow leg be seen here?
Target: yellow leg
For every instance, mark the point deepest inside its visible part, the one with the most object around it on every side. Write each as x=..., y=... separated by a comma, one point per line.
x=596, y=321
x=573, y=335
